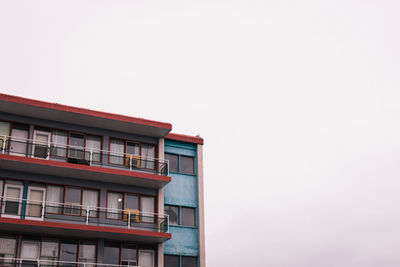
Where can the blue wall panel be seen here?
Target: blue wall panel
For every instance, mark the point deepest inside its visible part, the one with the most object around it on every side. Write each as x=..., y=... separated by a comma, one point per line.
x=183, y=241
x=181, y=191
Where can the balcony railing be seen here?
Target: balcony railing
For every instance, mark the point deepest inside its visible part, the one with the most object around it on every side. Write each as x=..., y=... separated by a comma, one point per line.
x=80, y=214
x=23, y=262
x=80, y=155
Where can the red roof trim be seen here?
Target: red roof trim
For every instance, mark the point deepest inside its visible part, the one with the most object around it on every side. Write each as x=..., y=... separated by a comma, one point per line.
x=84, y=227
x=83, y=111
x=86, y=168
x=185, y=138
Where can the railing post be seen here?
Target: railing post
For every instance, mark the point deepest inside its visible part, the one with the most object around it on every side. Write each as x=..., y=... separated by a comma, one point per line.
x=91, y=157
x=4, y=144
x=87, y=215
x=130, y=163
x=129, y=219
x=43, y=207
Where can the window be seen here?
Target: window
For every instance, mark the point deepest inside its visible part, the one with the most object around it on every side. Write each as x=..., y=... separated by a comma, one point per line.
x=87, y=253
x=4, y=133
x=72, y=201
x=116, y=151
x=49, y=252
x=76, y=145
x=8, y=247
x=111, y=253
x=187, y=164
x=173, y=162
x=187, y=216
x=128, y=255
x=173, y=213
x=90, y=200
x=180, y=163
x=146, y=258
x=93, y=147
x=188, y=261
x=147, y=207
x=59, y=140
x=114, y=205
x=68, y=252
x=123, y=152
x=120, y=204
x=54, y=199
x=180, y=215
x=171, y=261
x=19, y=139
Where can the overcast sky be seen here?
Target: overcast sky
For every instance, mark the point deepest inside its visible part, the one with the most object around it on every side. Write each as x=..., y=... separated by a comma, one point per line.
x=298, y=103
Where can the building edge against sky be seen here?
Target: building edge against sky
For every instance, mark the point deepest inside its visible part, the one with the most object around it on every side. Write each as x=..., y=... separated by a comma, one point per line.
x=86, y=186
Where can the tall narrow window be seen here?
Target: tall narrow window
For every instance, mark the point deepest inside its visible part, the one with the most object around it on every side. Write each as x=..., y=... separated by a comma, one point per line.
x=76, y=145
x=87, y=253
x=90, y=200
x=114, y=206
x=173, y=162
x=68, y=253
x=59, y=140
x=49, y=252
x=13, y=196
x=93, y=147
x=72, y=201
x=117, y=151
x=147, y=209
x=111, y=253
x=54, y=199
x=148, y=154
x=128, y=255
x=19, y=139
x=7, y=250
x=146, y=258
x=131, y=206
x=4, y=133
x=41, y=140
x=30, y=253
x=173, y=213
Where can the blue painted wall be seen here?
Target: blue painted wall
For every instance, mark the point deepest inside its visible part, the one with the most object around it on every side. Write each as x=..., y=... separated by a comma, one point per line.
x=182, y=191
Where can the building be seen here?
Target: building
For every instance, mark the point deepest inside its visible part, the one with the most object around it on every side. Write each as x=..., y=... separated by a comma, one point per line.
x=87, y=188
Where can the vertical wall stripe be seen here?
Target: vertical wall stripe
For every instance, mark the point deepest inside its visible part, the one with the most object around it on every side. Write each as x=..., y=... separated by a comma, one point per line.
x=200, y=204
x=24, y=196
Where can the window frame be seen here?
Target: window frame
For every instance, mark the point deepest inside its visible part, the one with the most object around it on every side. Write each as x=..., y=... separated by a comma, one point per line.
x=139, y=195
x=179, y=164
x=180, y=215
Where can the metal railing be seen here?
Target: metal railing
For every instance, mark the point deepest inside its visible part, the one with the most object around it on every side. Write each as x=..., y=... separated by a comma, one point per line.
x=81, y=155
x=23, y=262
x=77, y=213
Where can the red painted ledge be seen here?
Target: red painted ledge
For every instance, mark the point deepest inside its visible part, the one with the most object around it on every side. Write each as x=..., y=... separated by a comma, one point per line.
x=83, y=111
x=185, y=138
x=85, y=227
x=86, y=168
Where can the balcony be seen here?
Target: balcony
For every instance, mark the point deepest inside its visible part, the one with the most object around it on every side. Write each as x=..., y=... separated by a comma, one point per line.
x=79, y=162
x=71, y=219
x=20, y=262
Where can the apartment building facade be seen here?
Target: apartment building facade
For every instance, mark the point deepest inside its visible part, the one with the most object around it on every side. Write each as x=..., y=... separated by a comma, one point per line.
x=87, y=188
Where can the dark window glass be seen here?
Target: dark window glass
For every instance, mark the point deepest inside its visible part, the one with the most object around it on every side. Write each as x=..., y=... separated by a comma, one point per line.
x=76, y=144
x=173, y=162
x=171, y=261
x=187, y=216
x=173, y=214
x=68, y=252
x=72, y=200
x=189, y=261
x=132, y=148
x=128, y=255
x=111, y=253
x=187, y=165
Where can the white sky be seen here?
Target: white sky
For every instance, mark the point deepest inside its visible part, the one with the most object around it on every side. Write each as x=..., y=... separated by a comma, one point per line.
x=298, y=103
